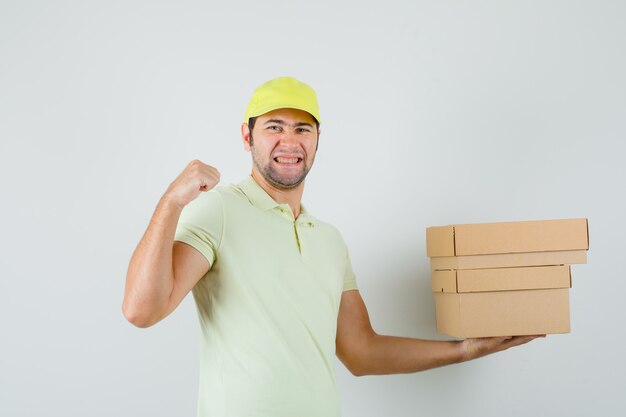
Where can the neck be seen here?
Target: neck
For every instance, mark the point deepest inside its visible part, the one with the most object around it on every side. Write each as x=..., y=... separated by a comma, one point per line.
x=292, y=197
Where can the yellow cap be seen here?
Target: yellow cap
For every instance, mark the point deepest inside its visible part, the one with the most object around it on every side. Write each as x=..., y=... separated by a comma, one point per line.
x=283, y=93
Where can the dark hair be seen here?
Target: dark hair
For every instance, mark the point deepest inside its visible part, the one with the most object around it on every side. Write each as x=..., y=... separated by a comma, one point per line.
x=251, y=122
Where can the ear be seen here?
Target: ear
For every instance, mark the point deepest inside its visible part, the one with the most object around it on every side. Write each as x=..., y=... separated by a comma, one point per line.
x=245, y=136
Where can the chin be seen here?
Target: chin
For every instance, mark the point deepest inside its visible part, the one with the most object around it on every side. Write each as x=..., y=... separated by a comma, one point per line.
x=286, y=183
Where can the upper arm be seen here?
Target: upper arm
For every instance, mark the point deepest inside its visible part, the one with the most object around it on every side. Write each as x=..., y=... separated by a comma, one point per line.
x=354, y=329
x=197, y=239
x=189, y=266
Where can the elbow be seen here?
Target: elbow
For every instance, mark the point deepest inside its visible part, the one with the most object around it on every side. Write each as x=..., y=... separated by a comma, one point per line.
x=358, y=354
x=136, y=316
x=354, y=365
x=358, y=372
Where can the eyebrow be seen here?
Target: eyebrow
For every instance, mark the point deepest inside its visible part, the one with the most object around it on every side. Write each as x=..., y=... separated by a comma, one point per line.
x=282, y=123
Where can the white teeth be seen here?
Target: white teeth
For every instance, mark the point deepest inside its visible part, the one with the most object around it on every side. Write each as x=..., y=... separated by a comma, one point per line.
x=287, y=160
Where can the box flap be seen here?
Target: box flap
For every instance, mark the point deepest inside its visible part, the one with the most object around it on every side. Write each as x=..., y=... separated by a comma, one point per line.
x=527, y=236
x=507, y=237
x=510, y=279
x=443, y=281
x=440, y=241
x=508, y=260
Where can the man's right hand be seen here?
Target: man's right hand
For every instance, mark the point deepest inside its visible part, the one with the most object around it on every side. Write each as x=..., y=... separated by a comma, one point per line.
x=197, y=177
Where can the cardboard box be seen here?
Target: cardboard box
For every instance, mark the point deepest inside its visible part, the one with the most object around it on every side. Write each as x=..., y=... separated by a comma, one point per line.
x=507, y=237
x=502, y=301
x=508, y=260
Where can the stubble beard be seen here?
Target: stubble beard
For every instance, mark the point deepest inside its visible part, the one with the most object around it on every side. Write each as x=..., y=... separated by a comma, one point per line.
x=273, y=177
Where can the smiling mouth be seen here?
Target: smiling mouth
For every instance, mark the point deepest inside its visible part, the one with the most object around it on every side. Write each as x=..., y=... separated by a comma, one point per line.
x=283, y=160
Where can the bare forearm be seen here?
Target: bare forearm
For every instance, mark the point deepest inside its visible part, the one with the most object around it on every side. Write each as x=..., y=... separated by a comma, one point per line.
x=150, y=277
x=394, y=355
x=364, y=352
x=379, y=355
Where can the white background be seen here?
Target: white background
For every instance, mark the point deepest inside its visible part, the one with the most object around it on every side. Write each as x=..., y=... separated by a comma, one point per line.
x=434, y=112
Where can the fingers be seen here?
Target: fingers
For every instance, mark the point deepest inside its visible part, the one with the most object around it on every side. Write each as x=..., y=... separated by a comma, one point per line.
x=519, y=340
x=206, y=176
x=197, y=177
x=200, y=176
x=525, y=339
x=477, y=347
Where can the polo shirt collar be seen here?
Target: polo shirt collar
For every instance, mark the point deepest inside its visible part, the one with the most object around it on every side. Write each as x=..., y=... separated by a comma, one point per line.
x=256, y=194
x=260, y=198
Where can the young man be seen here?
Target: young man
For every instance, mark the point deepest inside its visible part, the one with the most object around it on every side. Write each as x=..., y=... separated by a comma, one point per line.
x=274, y=288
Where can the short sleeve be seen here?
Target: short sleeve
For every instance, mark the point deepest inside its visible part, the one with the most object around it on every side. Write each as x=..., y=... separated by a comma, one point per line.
x=349, y=278
x=201, y=224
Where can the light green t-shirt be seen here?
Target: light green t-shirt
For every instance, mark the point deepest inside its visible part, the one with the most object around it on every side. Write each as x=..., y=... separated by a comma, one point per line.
x=268, y=306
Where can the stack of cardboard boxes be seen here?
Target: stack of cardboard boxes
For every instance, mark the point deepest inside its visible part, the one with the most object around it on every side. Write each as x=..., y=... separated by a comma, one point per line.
x=505, y=279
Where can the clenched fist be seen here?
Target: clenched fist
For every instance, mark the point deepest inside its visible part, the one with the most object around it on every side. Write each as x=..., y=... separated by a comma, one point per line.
x=197, y=177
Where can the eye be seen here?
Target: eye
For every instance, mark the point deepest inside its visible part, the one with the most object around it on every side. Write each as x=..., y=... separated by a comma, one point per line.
x=275, y=128
x=303, y=130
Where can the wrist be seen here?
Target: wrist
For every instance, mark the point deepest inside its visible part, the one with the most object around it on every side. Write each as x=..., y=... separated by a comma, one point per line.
x=464, y=350
x=468, y=350
x=170, y=202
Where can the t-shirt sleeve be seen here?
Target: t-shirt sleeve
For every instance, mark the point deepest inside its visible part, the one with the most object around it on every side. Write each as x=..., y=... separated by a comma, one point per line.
x=349, y=278
x=201, y=225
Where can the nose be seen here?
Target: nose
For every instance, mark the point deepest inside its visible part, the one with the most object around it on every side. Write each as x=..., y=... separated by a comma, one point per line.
x=289, y=138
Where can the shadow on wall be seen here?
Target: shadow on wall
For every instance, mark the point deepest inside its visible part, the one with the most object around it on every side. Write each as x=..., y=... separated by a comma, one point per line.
x=399, y=296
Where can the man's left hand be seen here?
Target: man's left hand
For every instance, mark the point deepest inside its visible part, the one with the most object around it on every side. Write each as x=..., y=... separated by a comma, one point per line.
x=477, y=347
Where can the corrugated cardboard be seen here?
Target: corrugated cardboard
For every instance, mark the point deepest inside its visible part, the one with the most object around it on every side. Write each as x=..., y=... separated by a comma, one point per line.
x=507, y=260
x=501, y=279
x=507, y=237
x=511, y=279
x=503, y=313
x=502, y=301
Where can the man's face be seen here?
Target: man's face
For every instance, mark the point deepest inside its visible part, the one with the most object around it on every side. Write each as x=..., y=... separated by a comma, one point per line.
x=283, y=146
